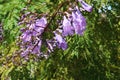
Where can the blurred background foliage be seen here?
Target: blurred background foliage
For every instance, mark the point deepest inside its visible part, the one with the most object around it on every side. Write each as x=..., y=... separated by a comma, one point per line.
x=94, y=56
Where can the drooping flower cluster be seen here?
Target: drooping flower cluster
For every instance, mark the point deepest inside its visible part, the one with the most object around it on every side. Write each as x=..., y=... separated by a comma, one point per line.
x=32, y=38
x=76, y=24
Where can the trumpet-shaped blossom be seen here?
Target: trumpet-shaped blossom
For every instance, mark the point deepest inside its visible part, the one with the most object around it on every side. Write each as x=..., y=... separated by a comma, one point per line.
x=26, y=36
x=37, y=47
x=67, y=27
x=60, y=41
x=41, y=22
x=85, y=6
x=40, y=25
x=79, y=22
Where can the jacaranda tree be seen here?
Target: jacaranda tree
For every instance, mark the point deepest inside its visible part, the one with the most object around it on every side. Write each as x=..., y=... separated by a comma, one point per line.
x=59, y=39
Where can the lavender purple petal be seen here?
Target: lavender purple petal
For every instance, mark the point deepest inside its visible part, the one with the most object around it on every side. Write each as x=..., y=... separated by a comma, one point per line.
x=85, y=6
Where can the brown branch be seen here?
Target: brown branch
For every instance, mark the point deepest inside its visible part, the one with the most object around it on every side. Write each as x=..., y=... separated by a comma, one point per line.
x=55, y=13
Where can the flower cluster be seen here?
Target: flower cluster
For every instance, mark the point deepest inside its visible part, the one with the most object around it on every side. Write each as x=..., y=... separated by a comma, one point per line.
x=74, y=23
x=32, y=38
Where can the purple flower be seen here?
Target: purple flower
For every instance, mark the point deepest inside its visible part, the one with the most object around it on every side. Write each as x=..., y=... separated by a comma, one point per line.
x=40, y=25
x=41, y=22
x=79, y=22
x=37, y=47
x=40, y=30
x=26, y=36
x=86, y=6
x=67, y=27
x=61, y=42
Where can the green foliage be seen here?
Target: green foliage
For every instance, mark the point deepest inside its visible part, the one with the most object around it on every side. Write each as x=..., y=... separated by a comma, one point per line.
x=93, y=56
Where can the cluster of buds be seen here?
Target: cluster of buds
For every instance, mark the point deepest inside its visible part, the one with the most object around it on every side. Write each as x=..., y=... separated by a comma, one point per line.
x=32, y=39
